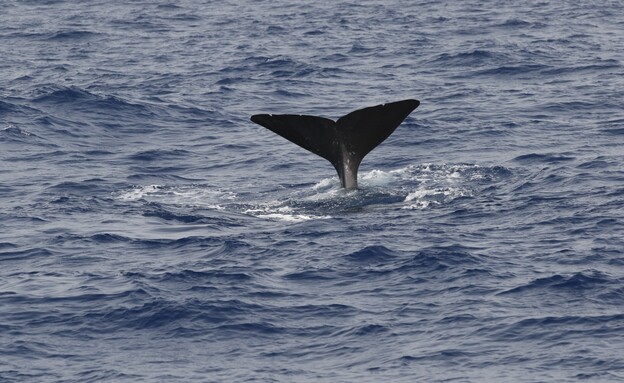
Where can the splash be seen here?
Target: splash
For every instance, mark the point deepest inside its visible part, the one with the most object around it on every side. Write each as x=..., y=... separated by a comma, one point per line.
x=412, y=187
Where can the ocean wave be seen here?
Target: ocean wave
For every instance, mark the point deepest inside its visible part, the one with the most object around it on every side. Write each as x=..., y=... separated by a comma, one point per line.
x=19, y=135
x=475, y=57
x=508, y=71
x=549, y=158
x=441, y=258
x=575, y=282
x=72, y=35
x=517, y=23
x=26, y=254
x=603, y=65
x=372, y=254
x=158, y=155
x=544, y=328
x=7, y=107
x=59, y=95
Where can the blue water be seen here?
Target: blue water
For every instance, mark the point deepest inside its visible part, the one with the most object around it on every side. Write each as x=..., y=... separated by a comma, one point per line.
x=149, y=232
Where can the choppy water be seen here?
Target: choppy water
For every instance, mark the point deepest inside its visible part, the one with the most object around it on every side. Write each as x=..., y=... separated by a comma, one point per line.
x=150, y=232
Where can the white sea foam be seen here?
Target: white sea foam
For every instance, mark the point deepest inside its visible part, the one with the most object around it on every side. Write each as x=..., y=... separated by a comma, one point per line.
x=138, y=192
x=420, y=186
x=281, y=213
x=377, y=178
x=438, y=184
x=13, y=128
x=324, y=183
x=187, y=195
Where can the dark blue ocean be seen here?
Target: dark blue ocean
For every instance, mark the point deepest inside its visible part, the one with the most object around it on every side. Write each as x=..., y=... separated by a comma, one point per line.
x=150, y=232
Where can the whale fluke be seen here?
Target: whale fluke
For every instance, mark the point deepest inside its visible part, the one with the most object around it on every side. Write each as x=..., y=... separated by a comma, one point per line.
x=345, y=142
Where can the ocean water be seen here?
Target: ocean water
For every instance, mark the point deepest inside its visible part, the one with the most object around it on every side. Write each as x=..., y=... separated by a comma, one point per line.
x=149, y=232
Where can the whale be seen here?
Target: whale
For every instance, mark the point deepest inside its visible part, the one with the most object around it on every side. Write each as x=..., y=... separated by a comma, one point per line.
x=344, y=142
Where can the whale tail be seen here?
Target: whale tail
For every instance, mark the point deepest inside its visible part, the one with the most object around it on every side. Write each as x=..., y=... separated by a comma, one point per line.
x=345, y=142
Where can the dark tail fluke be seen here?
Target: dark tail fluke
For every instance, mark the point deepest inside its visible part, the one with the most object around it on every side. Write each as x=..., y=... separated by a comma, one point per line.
x=345, y=142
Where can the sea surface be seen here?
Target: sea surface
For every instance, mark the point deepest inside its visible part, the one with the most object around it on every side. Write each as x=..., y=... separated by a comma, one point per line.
x=150, y=232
